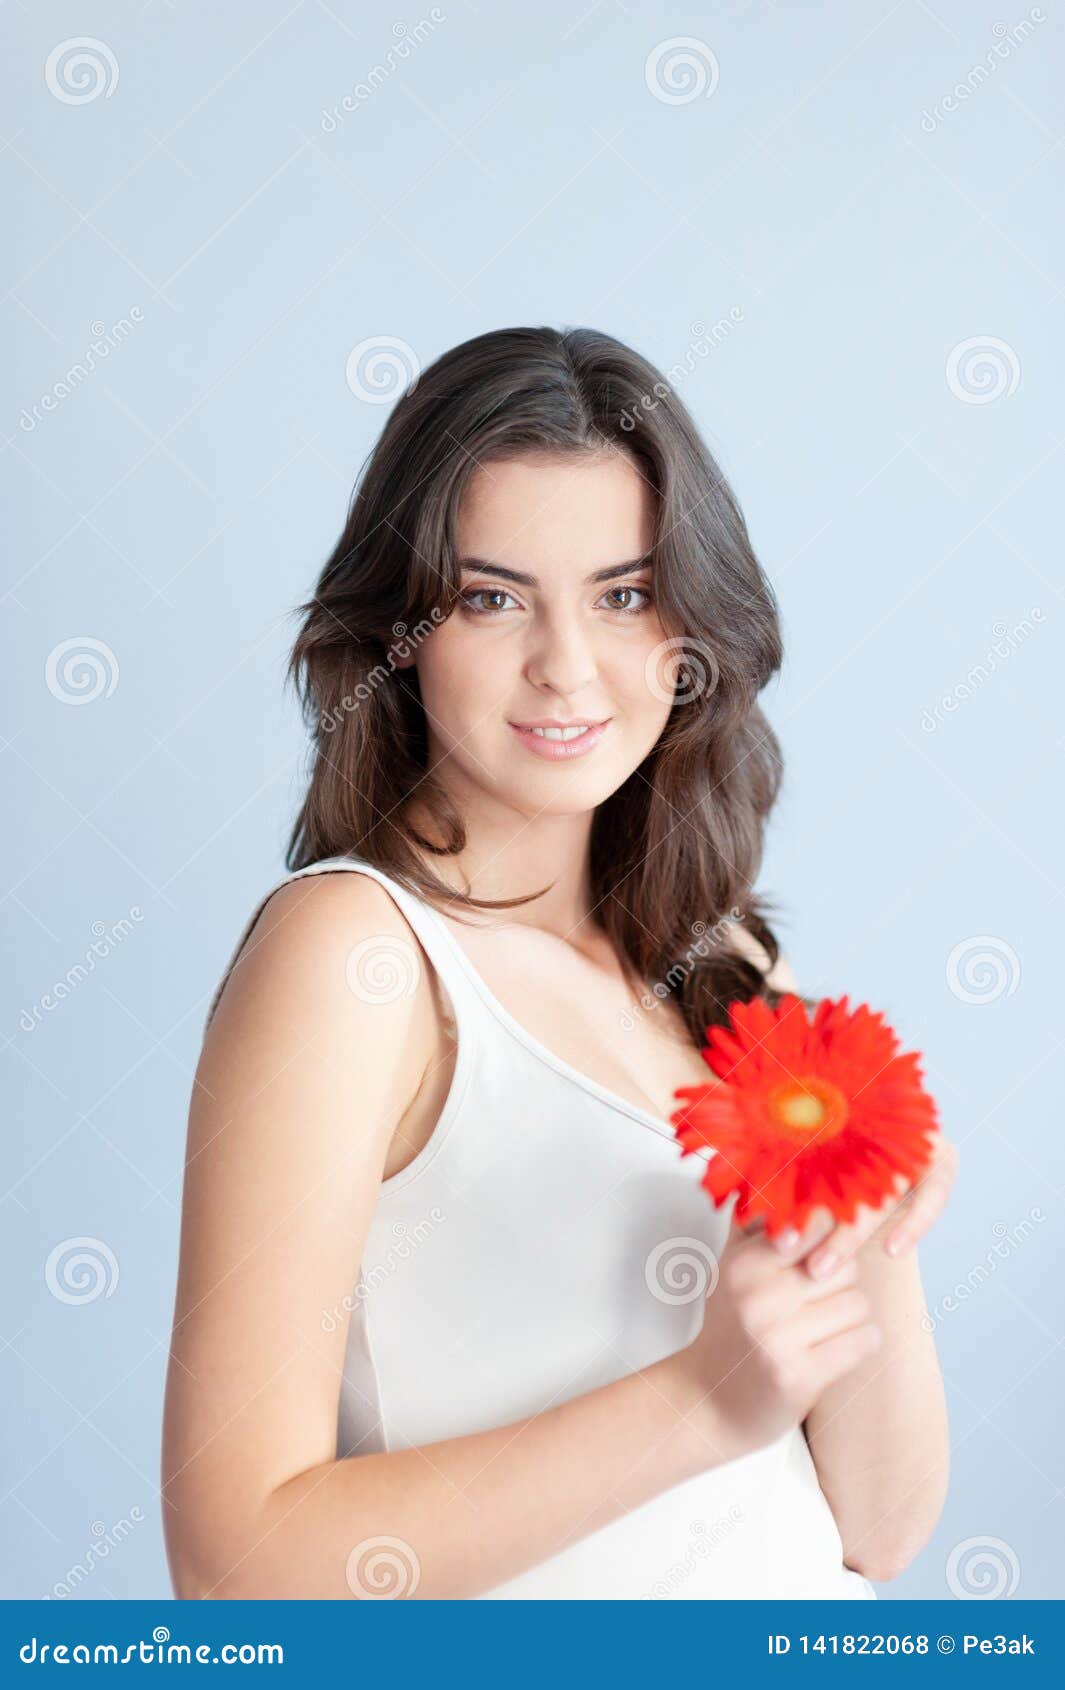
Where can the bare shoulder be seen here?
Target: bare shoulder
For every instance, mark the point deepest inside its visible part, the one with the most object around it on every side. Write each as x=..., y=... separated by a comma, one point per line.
x=781, y=977
x=331, y=975
x=314, y=922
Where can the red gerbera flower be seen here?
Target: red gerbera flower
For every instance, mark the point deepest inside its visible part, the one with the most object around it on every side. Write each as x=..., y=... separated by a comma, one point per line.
x=822, y=1114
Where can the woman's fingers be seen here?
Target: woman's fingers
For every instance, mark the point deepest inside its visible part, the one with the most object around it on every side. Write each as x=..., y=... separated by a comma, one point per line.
x=841, y=1241
x=925, y=1202
x=792, y=1245
x=846, y=1273
x=823, y=1317
x=905, y=1217
x=777, y=1290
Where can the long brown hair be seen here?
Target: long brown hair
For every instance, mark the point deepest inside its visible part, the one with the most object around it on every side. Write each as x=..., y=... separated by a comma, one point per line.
x=676, y=849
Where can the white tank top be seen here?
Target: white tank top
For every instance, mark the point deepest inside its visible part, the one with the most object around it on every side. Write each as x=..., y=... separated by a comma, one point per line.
x=548, y=1239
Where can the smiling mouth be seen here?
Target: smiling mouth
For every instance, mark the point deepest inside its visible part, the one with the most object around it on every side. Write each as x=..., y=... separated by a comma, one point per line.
x=554, y=729
x=559, y=733
x=569, y=739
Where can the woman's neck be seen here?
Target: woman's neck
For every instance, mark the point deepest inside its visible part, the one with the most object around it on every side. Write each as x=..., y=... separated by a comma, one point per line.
x=519, y=855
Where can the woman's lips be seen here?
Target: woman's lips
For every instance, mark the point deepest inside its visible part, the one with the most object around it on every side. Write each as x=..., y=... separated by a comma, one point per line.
x=558, y=750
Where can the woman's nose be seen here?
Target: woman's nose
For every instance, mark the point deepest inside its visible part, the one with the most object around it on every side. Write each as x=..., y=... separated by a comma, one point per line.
x=562, y=657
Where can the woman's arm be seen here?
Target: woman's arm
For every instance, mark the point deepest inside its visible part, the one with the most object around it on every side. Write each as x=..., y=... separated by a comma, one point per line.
x=298, y=1092
x=879, y=1437
x=452, y=1519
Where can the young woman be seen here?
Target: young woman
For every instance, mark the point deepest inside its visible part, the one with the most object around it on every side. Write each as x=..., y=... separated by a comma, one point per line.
x=454, y=1316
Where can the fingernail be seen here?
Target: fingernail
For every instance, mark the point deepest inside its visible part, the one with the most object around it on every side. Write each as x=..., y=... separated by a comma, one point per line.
x=896, y=1244
x=787, y=1239
x=822, y=1265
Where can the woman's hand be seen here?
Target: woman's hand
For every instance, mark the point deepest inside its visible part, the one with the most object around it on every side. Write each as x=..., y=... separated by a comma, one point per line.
x=825, y=1243
x=771, y=1342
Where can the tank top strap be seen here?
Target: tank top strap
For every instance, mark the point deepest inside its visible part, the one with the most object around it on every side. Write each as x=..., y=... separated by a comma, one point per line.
x=432, y=934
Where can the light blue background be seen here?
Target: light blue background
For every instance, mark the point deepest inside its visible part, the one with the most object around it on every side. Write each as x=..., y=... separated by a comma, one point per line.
x=516, y=168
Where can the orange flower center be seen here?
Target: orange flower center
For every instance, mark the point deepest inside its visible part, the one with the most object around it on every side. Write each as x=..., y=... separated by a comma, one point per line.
x=808, y=1107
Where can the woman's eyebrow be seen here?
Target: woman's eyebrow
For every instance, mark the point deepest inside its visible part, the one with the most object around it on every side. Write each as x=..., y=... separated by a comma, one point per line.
x=611, y=573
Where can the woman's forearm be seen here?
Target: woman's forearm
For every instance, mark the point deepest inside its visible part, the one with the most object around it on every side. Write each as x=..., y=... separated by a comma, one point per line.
x=879, y=1437
x=454, y=1518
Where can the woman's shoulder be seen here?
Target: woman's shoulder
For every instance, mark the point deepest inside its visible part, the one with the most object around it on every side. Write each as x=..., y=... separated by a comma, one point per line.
x=327, y=909
x=330, y=963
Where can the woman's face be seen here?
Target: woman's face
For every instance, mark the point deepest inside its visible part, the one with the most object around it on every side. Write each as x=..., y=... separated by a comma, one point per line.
x=536, y=638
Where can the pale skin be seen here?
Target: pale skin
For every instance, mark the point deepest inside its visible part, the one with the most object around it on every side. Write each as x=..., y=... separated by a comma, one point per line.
x=306, y=1097
x=881, y=1433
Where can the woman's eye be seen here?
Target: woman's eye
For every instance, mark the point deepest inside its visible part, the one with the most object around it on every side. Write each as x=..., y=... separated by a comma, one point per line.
x=629, y=609
x=484, y=593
